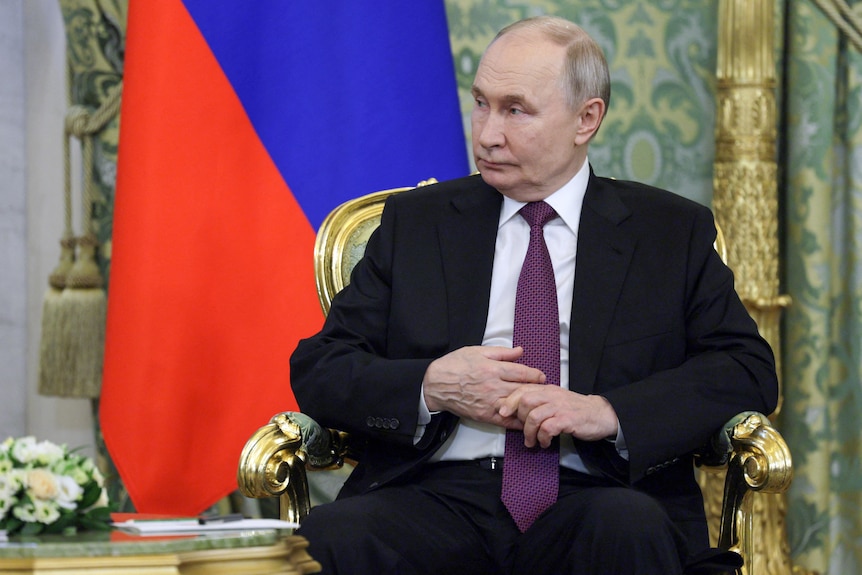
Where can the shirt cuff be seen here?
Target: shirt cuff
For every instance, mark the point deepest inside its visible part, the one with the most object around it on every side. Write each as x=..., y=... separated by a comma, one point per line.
x=620, y=443
x=424, y=417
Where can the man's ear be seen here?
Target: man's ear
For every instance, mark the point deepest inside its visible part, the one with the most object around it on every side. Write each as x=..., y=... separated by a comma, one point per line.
x=590, y=117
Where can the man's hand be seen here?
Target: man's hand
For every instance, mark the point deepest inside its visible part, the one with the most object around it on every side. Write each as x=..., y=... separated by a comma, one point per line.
x=546, y=411
x=470, y=382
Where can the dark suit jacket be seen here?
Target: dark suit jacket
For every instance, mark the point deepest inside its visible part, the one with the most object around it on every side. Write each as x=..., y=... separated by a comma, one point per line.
x=657, y=328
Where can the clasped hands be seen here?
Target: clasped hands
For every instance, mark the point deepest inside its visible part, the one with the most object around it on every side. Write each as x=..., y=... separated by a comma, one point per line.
x=485, y=384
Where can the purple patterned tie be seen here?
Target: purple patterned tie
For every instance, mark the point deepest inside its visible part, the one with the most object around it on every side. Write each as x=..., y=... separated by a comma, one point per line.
x=531, y=476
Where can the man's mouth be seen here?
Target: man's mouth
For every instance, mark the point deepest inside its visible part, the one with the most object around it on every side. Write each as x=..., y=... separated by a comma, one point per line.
x=490, y=164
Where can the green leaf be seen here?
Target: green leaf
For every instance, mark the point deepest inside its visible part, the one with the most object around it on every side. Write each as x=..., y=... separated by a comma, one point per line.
x=13, y=525
x=66, y=519
x=94, y=524
x=99, y=514
x=92, y=491
x=32, y=528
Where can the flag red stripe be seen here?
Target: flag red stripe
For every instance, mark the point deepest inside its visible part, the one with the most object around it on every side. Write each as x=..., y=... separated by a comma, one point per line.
x=211, y=281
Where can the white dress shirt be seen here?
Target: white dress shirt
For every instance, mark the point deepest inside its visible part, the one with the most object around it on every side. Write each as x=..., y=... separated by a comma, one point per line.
x=474, y=440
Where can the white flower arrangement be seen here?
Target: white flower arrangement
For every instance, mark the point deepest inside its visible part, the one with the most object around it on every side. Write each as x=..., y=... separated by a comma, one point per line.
x=45, y=488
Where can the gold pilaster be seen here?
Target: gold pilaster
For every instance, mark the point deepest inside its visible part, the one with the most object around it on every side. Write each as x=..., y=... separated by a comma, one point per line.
x=745, y=202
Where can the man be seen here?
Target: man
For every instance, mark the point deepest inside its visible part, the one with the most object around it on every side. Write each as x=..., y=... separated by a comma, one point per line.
x=655, y=352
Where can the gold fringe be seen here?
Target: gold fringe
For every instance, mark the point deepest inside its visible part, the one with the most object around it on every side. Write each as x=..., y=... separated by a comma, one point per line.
x=72, y=349
x=83, y=319
x=51, y=365
x=73, y=330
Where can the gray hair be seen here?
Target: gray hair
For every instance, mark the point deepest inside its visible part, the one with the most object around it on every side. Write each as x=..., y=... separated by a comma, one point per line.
x=586, y=72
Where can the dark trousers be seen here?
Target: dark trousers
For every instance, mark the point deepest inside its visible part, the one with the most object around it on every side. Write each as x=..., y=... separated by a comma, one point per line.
x=449, y=520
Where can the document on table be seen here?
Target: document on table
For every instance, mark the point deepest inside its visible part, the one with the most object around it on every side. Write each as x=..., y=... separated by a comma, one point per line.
x=193, y=526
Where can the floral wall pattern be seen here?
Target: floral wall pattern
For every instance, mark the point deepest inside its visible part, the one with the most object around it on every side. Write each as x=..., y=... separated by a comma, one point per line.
x=823, y=356
x=95, y=44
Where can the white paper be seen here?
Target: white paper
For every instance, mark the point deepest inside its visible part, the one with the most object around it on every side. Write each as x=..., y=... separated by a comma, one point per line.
x=192, y=526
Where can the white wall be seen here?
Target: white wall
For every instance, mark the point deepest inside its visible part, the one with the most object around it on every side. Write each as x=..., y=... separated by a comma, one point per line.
x=32, y=106
x=13, y=220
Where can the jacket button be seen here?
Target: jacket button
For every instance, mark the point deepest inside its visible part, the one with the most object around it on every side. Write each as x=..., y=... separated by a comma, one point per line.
x=369, y=421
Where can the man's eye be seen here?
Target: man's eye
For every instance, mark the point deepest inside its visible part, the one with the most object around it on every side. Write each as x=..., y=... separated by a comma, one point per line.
x=516, y=111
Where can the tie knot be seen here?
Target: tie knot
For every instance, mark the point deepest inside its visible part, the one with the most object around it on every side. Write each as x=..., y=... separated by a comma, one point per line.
x=538, y=213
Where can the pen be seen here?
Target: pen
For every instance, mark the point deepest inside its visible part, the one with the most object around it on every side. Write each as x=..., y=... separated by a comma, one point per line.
x=220, y=518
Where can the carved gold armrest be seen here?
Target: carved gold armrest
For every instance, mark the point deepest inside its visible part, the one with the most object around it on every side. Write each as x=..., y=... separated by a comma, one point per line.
x=757, y=459
x=274, y=460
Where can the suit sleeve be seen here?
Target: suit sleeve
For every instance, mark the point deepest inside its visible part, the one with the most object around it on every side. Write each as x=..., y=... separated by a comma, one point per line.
x=341, y=376
x=727, y=366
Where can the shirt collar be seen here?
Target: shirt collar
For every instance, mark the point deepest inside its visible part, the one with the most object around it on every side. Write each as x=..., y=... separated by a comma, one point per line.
x=567, y=201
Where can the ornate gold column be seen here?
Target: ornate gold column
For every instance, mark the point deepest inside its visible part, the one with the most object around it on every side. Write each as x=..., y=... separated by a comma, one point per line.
x=746, y=208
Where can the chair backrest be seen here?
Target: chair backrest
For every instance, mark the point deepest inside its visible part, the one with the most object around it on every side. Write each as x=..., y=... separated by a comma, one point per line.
x=720, y=244
x=341, y=240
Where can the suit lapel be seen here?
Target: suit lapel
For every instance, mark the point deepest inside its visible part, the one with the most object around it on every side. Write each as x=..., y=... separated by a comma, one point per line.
x=467, y=244
x=604, y=253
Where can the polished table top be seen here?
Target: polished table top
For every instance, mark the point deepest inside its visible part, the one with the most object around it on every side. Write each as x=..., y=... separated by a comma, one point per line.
x=116, y=552
x=117, y=543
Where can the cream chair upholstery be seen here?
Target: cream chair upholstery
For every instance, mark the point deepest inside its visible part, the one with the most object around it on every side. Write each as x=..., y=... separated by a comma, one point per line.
x=275, y=459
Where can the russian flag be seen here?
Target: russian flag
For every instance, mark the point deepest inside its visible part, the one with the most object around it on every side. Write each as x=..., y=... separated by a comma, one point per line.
x=242, y=125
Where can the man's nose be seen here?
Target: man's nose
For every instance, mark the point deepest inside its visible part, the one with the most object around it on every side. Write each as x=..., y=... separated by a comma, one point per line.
x=491, y=133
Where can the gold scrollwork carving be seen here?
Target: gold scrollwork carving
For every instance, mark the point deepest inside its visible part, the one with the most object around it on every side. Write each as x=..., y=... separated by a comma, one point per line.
x=274, y=453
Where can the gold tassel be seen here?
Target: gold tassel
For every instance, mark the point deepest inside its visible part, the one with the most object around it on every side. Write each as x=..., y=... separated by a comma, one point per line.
x=51, y=366
x=73, y=326
x=82, y=324
x=53, y=372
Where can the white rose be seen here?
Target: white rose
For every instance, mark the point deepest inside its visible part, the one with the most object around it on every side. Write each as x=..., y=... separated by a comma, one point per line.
x=69, y=492
x=42, y=484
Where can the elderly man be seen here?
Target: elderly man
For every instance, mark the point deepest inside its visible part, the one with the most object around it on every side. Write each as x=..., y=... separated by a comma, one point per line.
x=531, y=354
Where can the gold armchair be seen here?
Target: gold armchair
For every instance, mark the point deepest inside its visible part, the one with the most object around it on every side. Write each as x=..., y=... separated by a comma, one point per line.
x=276, y=458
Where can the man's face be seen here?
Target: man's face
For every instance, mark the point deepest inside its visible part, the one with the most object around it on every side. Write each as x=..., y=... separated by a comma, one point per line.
x=526, y=141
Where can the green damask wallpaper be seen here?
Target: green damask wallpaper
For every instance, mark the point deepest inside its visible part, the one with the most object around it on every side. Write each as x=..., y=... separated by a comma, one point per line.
x=823, y=356
x=660, y=125
x=95, y=45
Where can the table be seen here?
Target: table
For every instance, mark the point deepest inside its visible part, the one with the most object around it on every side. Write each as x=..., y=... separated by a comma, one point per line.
x=264, y=552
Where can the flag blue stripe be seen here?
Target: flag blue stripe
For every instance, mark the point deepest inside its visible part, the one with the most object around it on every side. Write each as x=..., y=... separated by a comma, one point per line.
x=348, y=97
